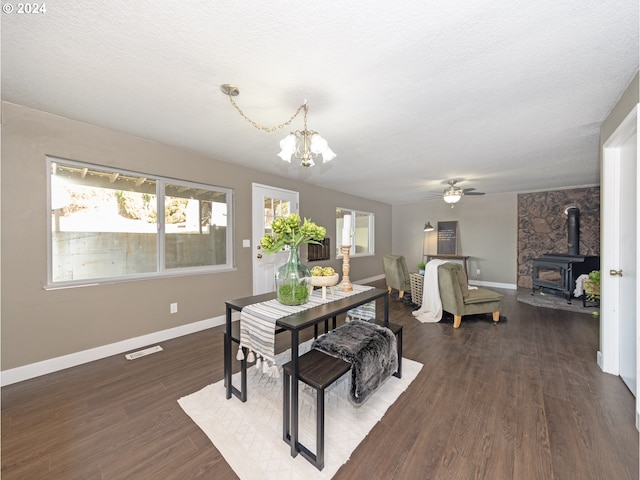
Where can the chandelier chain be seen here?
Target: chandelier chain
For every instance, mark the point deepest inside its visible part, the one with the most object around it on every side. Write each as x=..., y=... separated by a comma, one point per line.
x=277, y=127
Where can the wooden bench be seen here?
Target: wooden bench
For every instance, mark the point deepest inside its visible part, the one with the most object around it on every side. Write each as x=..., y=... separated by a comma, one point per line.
x=318, y=370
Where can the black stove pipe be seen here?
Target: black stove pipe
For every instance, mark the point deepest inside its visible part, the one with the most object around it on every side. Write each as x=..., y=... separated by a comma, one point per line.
x=573, y=230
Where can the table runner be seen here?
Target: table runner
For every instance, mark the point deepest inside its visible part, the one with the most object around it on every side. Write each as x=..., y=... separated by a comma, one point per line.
x=258, y=325
x=365, y=312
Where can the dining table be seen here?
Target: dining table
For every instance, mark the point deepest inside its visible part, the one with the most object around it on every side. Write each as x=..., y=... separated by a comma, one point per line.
x=294, y=324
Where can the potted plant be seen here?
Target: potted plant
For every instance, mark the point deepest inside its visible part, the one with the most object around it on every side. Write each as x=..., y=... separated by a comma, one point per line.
x=591, y=286
x=292, y=278
x=421, y=267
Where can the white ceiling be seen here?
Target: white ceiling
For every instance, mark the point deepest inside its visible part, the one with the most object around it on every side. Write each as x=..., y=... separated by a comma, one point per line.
x=507, y=95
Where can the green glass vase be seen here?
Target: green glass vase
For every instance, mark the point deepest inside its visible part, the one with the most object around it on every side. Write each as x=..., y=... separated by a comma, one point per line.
x=292, y=281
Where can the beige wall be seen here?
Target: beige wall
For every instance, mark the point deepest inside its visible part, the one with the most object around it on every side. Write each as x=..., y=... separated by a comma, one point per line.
x=487, y=234
x=39, y=324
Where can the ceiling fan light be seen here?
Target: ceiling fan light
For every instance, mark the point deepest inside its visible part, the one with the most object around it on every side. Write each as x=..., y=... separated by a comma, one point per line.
x=452, y=195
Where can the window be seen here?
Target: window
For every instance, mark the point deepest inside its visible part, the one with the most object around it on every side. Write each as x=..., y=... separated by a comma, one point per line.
x=105, y=225
x=360, y=228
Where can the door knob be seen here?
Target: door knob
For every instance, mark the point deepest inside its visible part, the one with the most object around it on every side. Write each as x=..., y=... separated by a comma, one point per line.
x=615, y=272
x=259, y=255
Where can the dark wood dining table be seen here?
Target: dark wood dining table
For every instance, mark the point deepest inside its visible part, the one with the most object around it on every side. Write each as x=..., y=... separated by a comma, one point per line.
x=294, y=323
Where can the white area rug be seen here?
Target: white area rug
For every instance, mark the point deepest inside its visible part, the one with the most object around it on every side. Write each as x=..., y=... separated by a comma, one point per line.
x=249, y=435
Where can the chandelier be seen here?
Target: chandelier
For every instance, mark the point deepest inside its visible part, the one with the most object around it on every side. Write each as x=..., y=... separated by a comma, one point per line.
x=305, y=145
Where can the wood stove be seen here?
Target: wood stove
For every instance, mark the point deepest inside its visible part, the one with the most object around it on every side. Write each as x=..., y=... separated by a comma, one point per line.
x=557, y=272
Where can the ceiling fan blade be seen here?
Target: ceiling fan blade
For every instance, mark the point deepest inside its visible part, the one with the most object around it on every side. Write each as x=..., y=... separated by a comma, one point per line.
x=465, y=190
x=473, y=193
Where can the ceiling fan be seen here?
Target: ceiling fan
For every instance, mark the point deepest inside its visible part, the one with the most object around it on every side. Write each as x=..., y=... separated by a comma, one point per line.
x=452, y=194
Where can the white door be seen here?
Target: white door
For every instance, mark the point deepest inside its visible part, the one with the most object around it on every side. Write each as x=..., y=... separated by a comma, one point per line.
x=628, y=258
x=619, y=261
x=268, y=203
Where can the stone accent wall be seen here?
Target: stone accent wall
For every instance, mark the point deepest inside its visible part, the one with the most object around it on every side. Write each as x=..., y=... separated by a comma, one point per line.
x=542, y=226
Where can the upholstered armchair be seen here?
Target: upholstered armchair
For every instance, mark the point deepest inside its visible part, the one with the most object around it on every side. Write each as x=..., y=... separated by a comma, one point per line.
x=397, y=274
x=459, y=300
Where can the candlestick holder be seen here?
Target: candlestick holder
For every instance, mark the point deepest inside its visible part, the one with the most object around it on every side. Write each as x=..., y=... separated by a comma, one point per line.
x=345, y=285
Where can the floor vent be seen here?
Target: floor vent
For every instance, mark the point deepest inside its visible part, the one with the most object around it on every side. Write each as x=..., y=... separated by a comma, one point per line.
x=143, y=353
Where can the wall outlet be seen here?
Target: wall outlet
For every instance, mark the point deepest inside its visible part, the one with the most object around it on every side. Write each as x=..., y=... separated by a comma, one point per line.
x=173, y=308
x=478, y=271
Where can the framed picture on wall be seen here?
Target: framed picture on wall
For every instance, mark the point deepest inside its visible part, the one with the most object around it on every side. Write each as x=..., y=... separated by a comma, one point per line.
x=448, y=238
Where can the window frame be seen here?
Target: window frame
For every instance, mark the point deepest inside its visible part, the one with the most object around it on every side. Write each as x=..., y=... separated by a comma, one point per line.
x=161, y=270
x=371, y=233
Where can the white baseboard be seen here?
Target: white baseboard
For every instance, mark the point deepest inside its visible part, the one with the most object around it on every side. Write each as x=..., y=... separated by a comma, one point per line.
x=370, y=279
x=19, y=374
x=599, y=360
x=507, y=286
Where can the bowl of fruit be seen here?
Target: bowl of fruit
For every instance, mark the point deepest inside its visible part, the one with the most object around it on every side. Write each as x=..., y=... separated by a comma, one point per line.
x=323, y=277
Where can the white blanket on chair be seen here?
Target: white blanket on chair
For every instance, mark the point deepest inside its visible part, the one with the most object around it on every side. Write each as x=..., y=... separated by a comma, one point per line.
x=431, y=309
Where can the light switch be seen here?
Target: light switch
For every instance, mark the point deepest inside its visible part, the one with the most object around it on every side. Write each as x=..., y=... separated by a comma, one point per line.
x=246, y=243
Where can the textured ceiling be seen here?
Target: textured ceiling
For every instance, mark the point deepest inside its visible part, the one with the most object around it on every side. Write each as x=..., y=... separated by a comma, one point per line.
x=506, y=95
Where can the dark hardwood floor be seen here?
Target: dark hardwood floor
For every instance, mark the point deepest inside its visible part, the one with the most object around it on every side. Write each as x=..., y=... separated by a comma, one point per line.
x=522, y=399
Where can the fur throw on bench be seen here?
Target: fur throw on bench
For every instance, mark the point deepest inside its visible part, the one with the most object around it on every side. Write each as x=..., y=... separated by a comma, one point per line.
x=369, y=348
